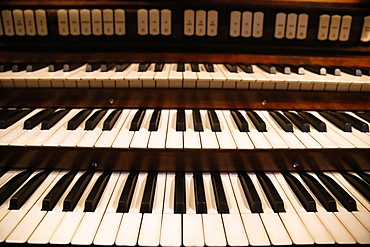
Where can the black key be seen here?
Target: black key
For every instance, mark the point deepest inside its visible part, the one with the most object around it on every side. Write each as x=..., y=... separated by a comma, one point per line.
x=22, y=195
x=283, y=69
x=247, y=68
x=76, y=192
x=299, y=122
x=337, y=121
x=233, y=68
x=149, y=192
x=127, y=193
x=78, y=119
x=257, y=121
x=12, y=185
x=219, y=193
x=5, y=67
x=90, y=67
x=351, y=70
x=213, y=119
x=282, y=121
x=57, y=191
x=55, y=67
x=365, y=70
x=209, y=67
x=180, y=120
x=315, y=69
x=296, y=69
x=364, y=115
x=37, y=118
x=122, y=67
x=158, y=67
x=96, y=192
x=52, y=119
x=355, y=122
x=154, y=120
x=72, y=66
x=320, y=192
x=273, y=196
x=359, y=184
x=92, y=121
x=314, y=121
x=3, y=171
x=250, y=193
x=268, y=68
x=13, y=117
x=240, y=121
x=107, y=66
x=143, y=67
x=343, y=197
x=198, y=125
x=110, y=121
x=137, y=120
x=180, y=193
x=364, y=176
x=180, y=67
x=35, y=66
x=19, y=67
x=333, y=71
x=200, y=196
x=301, y=193
x=195, y=67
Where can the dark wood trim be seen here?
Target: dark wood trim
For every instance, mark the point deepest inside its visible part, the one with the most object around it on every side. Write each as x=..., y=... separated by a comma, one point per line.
x=185, y=98
x=184, y=160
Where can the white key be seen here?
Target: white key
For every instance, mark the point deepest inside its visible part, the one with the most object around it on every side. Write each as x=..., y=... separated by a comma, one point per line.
x=207, y=136
x=329, y=220
x=192, y=230
x=107, y=138
x=242, y=139
x=90, y=137
x=89, y=224
x=71, y=220
x=204, y=78
x=171, y=231
x=224, y=137
x=252, y=222
x=158, y=138
x=247, y=79
x=119, y=78
x=162, y=78
x=293, y=224
x=133, y=76
x=108, y=228
x=189, y=77
x=190, y=193
x=175, y=78
x=314, y=226
x=174, y=138
x=51, y=221
x=231, y=78
x=129, y=229
x=169, y=197
x=258, y=138
x=124, y=136
x=191, y=137
x=209, y=194
x=13, y=217
x=214, y=234
x=354, y=227
x=218, y=78
x=288, y=137
x=273, y=224
x=43, y=135
x=141, y=137
x=150, y=230
x=272, y=136
x=147, y=77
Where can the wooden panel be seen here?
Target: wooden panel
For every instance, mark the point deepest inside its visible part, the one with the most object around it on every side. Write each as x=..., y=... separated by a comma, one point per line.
x=185, y=98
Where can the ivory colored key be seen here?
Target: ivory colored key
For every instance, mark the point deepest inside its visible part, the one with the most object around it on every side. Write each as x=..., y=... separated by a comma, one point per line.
x=13, y=217
x=147, y=77
x=31, y=218
x=336, y=229
x=224, y=137
x=157, y=138
x=174, y=138
x=207, y=136
x=124, y=136
x=141, y=137
x=191, y=137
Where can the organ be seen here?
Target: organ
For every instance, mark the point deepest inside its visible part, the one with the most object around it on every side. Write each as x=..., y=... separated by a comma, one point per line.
x=184, y=123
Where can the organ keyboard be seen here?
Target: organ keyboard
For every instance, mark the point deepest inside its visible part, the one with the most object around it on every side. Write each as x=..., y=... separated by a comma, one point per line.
x=223, y=123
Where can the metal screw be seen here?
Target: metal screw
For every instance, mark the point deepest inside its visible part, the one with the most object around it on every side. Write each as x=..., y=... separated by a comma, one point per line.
x=295, y=165
x=264, y=102
x=111, y=101
x=95, y=165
